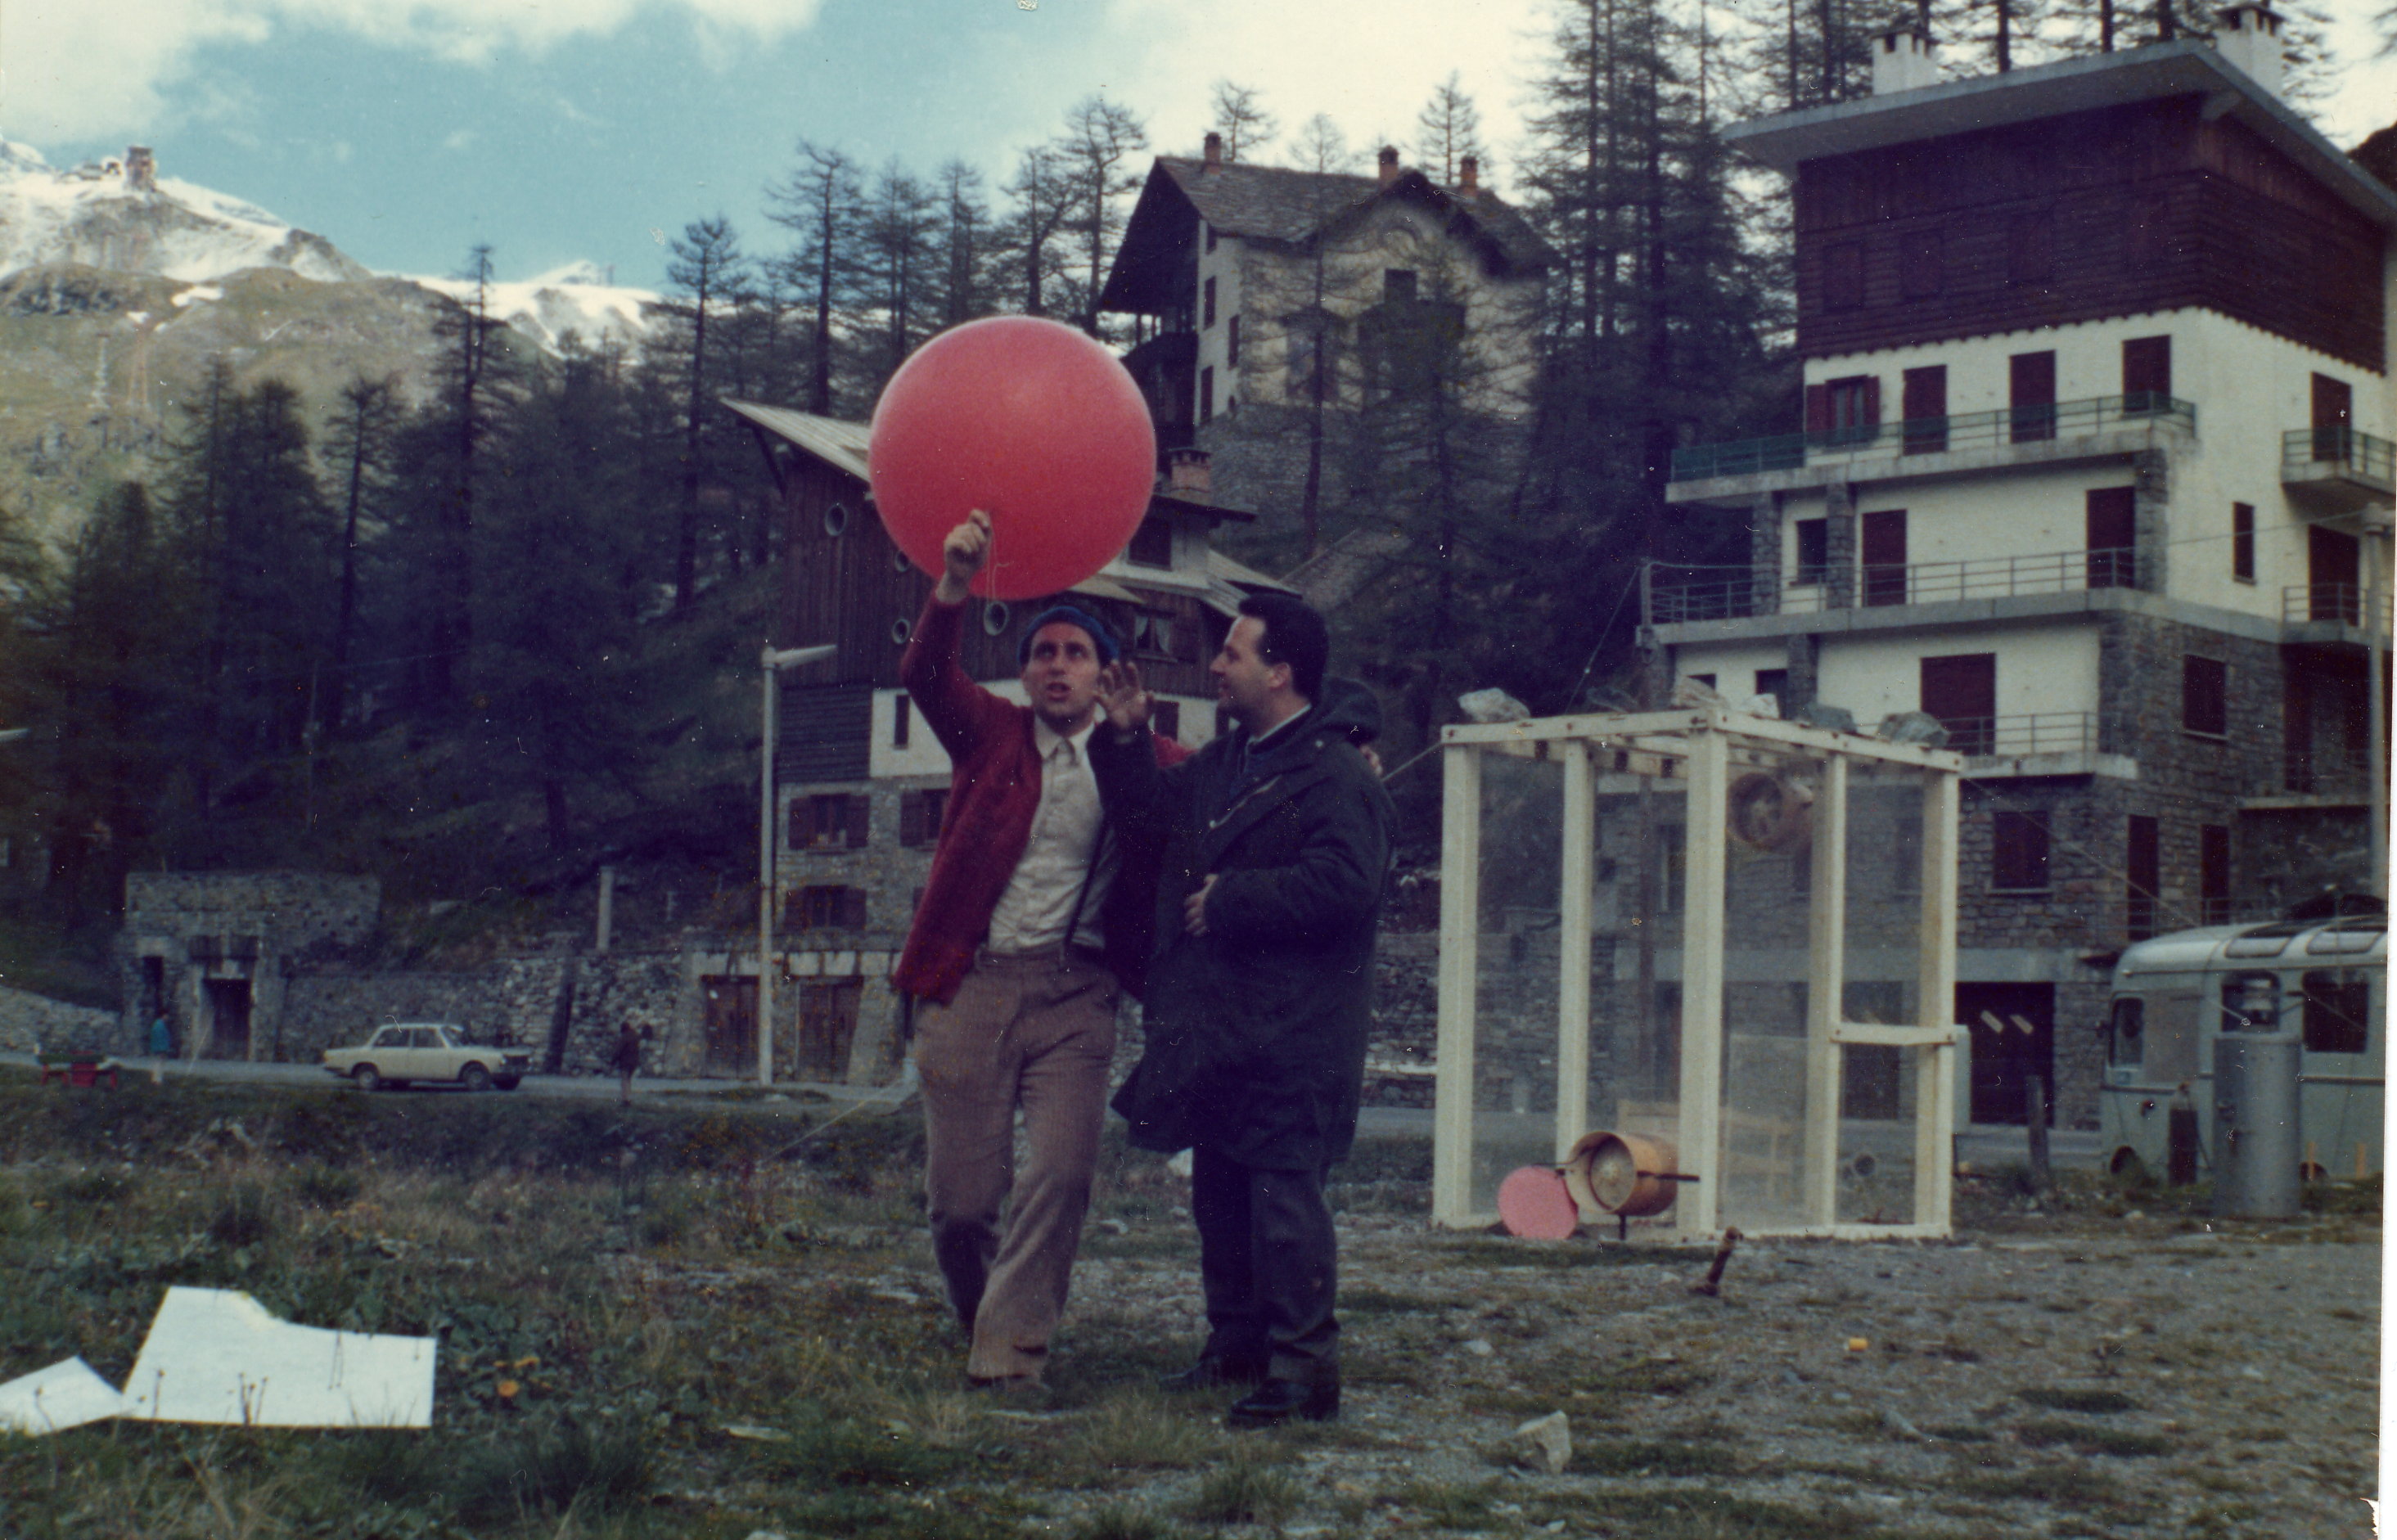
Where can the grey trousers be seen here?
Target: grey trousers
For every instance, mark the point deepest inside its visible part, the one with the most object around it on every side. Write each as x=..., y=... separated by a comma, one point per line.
x=1269, y=1264
x=1035, y=1033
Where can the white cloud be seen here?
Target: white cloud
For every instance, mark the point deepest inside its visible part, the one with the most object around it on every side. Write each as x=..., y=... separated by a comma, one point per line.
x=82, y=69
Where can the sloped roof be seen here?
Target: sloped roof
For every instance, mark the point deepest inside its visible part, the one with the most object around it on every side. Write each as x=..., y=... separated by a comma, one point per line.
x=838, y=444
x=1275, y=203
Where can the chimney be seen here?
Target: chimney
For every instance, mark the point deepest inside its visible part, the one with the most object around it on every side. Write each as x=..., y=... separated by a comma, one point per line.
x=1187, y=473
x=1469, y=177
x=1389, y=169
x=1904, y=60
x=2249, y=35
x=1214, y=151
x=140, y=170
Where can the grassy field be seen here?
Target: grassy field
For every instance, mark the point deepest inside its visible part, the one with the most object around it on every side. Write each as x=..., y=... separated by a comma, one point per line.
x=721, y=1320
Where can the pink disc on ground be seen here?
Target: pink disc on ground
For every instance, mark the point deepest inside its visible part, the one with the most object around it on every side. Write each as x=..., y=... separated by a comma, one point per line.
x=1533, y=1202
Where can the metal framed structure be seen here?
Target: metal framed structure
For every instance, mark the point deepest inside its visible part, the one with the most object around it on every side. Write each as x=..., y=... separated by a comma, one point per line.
x=1730, y=932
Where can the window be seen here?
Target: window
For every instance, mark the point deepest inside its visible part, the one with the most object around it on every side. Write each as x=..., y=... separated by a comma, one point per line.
x=2147, y=374
x=2142, y=874
x=2214, y=874
x=1153, y=634
x=2204, y=696
x=1152, y=543
x=1232, y=341
x=2018, y=852
x=901, y=714
x=1961, y=690
x=826, y=907
x=919, y=815
x=829, y=821
x=2110, y=522
x=2031, y=393
x=2030, y=246
x=1208, y=304
x=1207, y=395
x=1920, y=259
x=2242, y=542
x=1776, y=683
x=1843, y=276
x=1846, y=410
x=1706, y=679
x=2251, y=1002
x=1165, y=719
x=1813, y=550
x=2334, y=414
x=1926, y=409
x=1881, y=549
x=2337, y=1013
x=2126, y=1032
x=1397, y=285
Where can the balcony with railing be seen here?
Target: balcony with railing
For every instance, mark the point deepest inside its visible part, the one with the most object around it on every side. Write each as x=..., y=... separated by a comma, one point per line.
x=2341, y=602
x=2338, y=470
x=1877, y=584
x=2052, y=422
x=2021, y=736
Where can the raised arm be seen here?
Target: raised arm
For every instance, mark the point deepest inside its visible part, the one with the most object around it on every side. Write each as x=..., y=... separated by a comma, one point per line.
x=935, y=679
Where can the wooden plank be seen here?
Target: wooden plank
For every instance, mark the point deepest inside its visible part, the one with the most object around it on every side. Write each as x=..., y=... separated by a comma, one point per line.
x=1934, y=1099
x=1709, y=842
x=1887, y=1035
x=1579, y=859
x=1825, y=973
x=1460, y=899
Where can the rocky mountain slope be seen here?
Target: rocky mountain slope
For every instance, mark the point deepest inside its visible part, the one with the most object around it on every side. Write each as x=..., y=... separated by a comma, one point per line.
x=118, y=286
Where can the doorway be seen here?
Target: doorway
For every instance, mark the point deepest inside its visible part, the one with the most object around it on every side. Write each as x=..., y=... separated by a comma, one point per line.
x=228, y=1023
x=731, y=1025
x=2014, y=1038
x=828, y=1025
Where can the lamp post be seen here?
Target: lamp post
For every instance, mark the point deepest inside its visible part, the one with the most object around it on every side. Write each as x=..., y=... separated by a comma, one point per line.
x=774, y=660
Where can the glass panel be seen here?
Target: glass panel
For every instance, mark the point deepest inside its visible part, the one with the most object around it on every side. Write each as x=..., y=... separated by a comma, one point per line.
x=1516, y=981
x=1876, y=1169
x=1768, y=884
x=1639, y=887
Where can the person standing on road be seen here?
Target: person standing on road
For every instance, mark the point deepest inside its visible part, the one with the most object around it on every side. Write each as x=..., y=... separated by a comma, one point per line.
x=1276, y=841
x=627, y=1060
x=1033, y=922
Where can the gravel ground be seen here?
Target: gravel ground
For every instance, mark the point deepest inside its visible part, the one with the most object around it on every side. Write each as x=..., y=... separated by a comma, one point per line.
x=2041, y=1374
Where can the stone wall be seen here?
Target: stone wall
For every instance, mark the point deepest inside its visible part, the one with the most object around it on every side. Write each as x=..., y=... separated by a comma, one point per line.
x=35, y=1024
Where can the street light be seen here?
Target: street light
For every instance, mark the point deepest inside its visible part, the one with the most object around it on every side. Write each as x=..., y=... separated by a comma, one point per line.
x=774, y=660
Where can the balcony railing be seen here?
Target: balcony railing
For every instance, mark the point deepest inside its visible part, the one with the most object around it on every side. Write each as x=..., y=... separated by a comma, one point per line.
x=2342, y=602
x=1922, y=583
x=2314, y=455
x=2036, y=732
x=1931, y=435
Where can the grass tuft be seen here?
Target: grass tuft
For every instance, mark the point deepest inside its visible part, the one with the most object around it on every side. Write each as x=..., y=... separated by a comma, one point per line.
x=1243, y=1493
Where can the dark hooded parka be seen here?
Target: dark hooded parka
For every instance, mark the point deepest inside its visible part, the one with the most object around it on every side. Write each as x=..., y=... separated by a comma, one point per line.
x=1255, y=1031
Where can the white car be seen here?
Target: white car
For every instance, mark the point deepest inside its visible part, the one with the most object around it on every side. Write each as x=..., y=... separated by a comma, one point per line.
x=427, y=1050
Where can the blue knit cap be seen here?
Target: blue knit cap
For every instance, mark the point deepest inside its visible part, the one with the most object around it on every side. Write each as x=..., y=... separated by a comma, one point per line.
x=1101, y=637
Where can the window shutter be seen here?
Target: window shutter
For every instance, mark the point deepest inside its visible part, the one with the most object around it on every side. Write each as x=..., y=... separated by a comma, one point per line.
x=852, y=908
x=2147, y=371
x=1818, y=409
x=911, y=818
x=1872, y=401
x=861, y=814
x=803, y=823
x=2111, y=515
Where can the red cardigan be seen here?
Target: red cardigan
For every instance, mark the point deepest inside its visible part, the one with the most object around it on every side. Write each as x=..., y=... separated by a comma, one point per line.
x=994, y=791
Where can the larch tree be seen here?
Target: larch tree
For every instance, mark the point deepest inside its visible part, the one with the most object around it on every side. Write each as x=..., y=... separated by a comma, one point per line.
x=1097, y=154
x=1447, y=131
x=822, y=202
x=1241, y=119
x=706, y=269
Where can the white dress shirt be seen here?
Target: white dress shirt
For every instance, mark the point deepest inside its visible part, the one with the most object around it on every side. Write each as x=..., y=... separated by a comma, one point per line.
x=1068, y=845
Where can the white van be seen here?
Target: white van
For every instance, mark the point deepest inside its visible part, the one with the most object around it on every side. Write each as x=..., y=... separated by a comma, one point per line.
x=2174, y=995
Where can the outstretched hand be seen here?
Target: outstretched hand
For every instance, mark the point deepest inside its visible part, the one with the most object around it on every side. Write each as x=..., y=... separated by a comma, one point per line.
x=962, y=556
x=1121, y=697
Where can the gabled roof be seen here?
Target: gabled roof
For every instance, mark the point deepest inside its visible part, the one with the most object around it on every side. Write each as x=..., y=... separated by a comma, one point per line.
x=838, y=444
x=2185, y=67
x=1274, y=203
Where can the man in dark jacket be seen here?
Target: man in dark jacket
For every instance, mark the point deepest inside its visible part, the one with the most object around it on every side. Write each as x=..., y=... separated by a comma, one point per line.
x=1276, y=839
x=1032, y=921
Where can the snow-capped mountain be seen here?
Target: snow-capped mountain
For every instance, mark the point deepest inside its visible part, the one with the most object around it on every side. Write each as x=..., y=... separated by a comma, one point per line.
x=576, y=298
x=119, y=215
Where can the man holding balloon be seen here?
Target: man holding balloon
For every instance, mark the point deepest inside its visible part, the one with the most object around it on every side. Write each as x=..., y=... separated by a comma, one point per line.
x=1033, y=921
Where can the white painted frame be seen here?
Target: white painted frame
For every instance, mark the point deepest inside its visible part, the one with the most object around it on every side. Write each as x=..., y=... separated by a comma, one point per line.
x=1705, y=746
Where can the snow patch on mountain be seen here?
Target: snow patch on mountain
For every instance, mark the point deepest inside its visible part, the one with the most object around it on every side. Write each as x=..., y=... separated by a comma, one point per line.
x=575, y=298
x=120, y=216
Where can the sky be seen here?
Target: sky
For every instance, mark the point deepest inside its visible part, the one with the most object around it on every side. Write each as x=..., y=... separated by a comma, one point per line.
x=559, y=131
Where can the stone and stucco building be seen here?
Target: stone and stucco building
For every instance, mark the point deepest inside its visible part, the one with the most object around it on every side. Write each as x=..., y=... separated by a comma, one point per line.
x=2097, y=469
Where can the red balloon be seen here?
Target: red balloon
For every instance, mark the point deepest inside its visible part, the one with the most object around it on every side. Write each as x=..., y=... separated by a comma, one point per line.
x=1033, y=423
